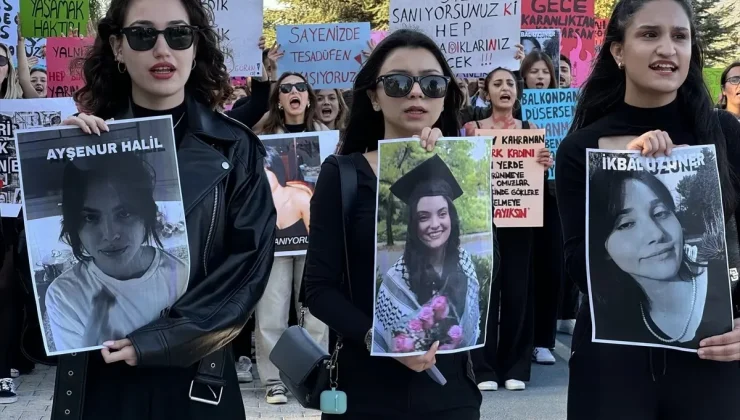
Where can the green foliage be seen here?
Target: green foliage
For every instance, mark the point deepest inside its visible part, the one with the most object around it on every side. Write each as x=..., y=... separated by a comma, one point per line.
x=603, y=8
x=397, y=159
x=712, y=29
x=296, y=12
x=483, y=270
x=712, y=78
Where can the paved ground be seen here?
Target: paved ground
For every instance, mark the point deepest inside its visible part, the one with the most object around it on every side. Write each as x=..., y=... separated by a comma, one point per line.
x=544, y=399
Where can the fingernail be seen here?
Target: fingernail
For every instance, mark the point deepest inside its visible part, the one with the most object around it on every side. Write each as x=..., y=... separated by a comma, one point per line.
x=701, y=353
x=108, y=343
x=423, y=144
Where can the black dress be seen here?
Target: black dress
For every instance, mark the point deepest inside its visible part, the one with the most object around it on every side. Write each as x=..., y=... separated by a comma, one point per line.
x=615, y=382
x=376, y=387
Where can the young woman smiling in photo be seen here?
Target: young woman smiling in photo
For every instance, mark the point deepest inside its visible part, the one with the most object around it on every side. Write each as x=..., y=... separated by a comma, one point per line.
x=404, y=89
x=646, y=93
x=162, y=58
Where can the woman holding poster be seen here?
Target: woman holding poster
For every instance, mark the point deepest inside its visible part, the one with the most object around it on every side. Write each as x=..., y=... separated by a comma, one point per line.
x=163, y=58
x=293, y=108
x=434, y=269
x=507, y=355
x=403, y=90
x=646, y=93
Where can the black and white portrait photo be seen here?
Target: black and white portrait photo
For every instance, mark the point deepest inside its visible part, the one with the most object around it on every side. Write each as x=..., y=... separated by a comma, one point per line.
x=105, y=228
x=656, y=249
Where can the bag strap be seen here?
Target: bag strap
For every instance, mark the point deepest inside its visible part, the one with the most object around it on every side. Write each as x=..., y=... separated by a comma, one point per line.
x=348, y=193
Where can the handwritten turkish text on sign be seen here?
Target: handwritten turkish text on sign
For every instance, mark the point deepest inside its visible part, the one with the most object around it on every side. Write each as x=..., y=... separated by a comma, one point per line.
x=517, y=180
x=551, y=109
x=8, y=28
x=328, y=55
x=474, y=35
x=575, y=19
x=51, y=18
x=239, y=27
x=64, y=81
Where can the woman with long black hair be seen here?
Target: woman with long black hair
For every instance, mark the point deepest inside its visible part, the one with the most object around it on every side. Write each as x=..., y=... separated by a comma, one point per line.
x=162, y=58
x=646, y=92
x=404, y=89
x=506, y=357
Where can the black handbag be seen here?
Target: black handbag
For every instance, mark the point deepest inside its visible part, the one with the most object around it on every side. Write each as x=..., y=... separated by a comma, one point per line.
x=306, y=369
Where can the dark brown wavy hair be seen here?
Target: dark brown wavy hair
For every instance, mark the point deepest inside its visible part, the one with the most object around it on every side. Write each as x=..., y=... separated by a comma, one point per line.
x=107, y=91
x=533, y=58
x=276, y=116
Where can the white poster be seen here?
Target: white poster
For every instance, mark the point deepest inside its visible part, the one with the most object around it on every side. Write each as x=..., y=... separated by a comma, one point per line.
x=656, y=250
x=239, y=27
x=292, y=166
x=475, y=36
x=19, y=114
x=105, y=229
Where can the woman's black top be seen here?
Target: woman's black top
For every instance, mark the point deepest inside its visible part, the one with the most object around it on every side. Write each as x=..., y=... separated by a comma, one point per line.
x=626, y=120
x=179, y=119
x=378, y=385
x=296, y=128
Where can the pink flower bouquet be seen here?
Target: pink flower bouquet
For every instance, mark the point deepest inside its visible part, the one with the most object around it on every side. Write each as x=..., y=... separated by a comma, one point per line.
x=433, y=322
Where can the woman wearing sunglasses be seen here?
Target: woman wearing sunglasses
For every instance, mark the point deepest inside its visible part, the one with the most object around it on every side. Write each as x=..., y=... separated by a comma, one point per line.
x=292, y=109
x=162, y=58
x=404, y=89
x=15, y=83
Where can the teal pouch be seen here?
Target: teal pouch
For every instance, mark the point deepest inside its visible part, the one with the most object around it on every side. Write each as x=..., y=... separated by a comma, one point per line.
x=333, y=402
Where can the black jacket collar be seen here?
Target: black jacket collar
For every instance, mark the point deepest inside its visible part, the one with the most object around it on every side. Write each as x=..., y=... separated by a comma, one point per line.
x=202, y=121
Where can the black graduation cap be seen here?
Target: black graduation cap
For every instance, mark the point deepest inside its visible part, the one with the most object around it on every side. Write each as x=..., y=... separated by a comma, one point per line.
x=430, y=178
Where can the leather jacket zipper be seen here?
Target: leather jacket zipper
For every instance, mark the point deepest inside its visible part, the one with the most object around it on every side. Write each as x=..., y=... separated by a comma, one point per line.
x=210, y=231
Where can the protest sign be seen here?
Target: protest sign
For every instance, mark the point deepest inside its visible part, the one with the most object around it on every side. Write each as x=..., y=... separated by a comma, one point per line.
x=475, y=35
x=431, y=204
x=8, y=28
x=600, y=34
x=546, y=41
x=377, y=36
x=575, y=19
x=51, y=18
x=552, y=110
x=659, y=256
x=328, y=55
x=518, y=180
x=292, y=165
x=239, y=27
x=64, y=79
x=105, y=229
x=17, y=114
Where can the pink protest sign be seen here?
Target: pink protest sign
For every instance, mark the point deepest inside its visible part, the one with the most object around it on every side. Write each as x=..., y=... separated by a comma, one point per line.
x=377, y=36
x=60, y=55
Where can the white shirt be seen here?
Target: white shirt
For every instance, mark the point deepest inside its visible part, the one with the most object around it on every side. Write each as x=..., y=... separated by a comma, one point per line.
x=77, y=318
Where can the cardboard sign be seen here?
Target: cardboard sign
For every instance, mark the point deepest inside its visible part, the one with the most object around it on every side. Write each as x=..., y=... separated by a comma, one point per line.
x=517, y=179
x=64, y=81
x=328, y=55
x=239, y=27
x=575, y=19
x=8, y=28
x=475, y=35
x=51, y=18
x=552, y=110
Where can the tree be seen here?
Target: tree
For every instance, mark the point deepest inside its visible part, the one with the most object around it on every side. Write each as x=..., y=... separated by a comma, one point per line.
x=324, y=11
x=712, y=29
x=603, y=8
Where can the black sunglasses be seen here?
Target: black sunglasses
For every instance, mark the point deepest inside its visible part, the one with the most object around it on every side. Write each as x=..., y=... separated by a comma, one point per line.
x=734, y=80
x=288, y=87
x=141, y=38
x=400, y=85
x=4, y=61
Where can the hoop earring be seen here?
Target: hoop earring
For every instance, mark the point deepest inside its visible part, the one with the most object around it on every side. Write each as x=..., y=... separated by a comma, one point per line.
x=194, y=64
x=621, y=66
x=119, y=68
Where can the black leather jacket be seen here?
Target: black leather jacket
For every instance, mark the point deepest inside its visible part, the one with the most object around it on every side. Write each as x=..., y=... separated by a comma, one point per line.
x=231, y=221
